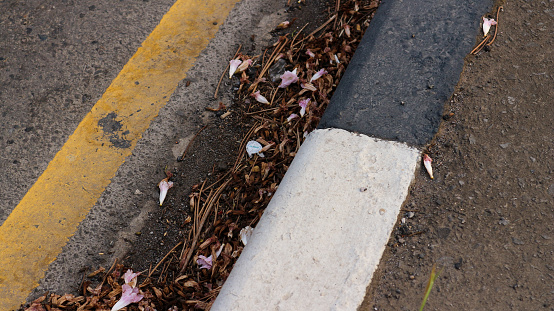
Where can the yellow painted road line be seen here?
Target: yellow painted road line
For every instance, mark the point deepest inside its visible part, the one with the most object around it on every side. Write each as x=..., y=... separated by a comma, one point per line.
x=41, y=224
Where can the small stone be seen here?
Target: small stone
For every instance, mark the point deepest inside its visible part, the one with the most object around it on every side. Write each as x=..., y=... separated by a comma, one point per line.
x=551, y=189
x=458, y=265
x=277, y=70
x=410, y=214
x=138, y=233
x=511, y=100
x=412, y=277
x=472, y=140
x=503, y=221
x=461, y=182
x=517, y=241
x=138, y=192
x=504, y=146
x=221, y=166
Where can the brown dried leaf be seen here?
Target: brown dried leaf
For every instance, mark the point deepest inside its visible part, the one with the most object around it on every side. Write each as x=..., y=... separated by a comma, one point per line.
x=157, y=292
x=190, y=283
x=35, y=306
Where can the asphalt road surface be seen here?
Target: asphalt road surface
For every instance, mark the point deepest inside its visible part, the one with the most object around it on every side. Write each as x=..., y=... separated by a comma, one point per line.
x=65, y=84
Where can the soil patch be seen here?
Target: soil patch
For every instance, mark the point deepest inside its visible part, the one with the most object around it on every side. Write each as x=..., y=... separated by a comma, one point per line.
x=486, y=219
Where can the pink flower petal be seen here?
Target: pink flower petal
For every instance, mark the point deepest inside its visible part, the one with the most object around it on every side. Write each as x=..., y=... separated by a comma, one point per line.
x=260, y=98
x=318, y=75
x=292, y=116
x=310, y=53
x=427, y=162
x=303, y=105
x=287, y=78
x=130, y=295
x=233, y=65
x=487, y=23
x=130, y=277
x=244, y=65
x=164, y=186
x=204, y=262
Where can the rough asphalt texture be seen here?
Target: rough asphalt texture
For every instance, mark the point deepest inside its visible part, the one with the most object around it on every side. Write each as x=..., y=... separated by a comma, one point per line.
x=405, y=69
x=56, y=61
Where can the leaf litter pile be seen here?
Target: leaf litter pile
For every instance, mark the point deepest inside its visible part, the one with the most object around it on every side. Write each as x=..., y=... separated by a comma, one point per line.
x=282, y=93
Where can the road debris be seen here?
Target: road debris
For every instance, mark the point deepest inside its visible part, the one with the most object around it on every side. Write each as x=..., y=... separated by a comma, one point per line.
x=253, y=147
x=260, y=98
x=233, y=66
x=427, y=162
x=487, y=23
x=288, y=78
x=245, y=234
x=130, y=293
x=164, y=186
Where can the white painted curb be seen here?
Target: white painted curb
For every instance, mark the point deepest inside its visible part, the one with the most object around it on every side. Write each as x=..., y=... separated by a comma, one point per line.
x=322, y=236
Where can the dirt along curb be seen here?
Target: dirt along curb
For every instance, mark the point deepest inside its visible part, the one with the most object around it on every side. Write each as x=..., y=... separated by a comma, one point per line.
x=486, y=219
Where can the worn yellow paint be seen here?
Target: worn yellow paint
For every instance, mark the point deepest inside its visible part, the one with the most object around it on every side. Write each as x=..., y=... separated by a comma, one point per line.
x=41, y=224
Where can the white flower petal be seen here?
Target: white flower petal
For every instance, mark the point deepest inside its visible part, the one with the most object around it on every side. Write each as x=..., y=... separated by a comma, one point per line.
x=260, y=98
x=233, y=65
x=487, y=23
x=164, y=186
x=427, y=162
x=292, y=116
x=319, y=74
x=245, y=234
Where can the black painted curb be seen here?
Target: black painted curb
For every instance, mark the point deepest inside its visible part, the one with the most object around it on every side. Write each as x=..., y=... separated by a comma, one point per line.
x=405, y=69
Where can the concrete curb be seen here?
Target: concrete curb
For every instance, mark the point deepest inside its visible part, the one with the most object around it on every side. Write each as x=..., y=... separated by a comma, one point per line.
x=322, y=235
